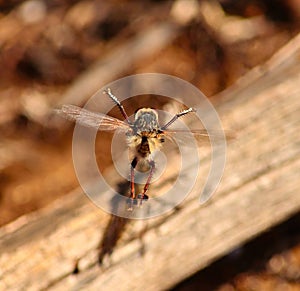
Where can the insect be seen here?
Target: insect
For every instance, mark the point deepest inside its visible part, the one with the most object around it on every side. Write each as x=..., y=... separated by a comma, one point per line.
x=144, y=135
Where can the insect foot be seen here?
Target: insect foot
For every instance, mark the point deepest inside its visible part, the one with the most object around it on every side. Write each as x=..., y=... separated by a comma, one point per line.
x=141, y=198
x=130, y=203
x=136, y=202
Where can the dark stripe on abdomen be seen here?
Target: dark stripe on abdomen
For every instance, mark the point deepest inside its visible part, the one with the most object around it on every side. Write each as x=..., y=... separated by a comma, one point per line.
x=144, y=148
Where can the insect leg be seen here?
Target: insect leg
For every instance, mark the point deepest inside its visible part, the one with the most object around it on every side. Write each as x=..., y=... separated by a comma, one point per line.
x=133, y=165
x=131, y=200
x=184, y=112
x=143, y=196
x=115, y=99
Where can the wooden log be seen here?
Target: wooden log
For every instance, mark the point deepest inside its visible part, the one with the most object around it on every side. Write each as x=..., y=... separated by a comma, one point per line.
x=259, y=190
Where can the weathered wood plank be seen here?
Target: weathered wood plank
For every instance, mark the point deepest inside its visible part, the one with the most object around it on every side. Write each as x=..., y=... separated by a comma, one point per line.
x=259, y=189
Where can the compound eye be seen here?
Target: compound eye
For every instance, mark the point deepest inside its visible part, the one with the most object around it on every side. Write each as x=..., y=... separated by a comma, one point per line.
x=137, y=110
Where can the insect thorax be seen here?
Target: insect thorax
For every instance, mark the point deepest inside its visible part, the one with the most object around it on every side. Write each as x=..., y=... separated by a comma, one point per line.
x=147, y=136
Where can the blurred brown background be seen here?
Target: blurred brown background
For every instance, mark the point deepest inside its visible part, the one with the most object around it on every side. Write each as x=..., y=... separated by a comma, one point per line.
x=51, y=49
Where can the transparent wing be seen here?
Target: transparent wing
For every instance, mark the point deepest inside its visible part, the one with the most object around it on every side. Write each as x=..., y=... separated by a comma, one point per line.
x=92, y=119
x=201, y=136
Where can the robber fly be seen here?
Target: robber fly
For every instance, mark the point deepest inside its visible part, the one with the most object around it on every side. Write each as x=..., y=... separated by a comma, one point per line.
x=144, y=135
